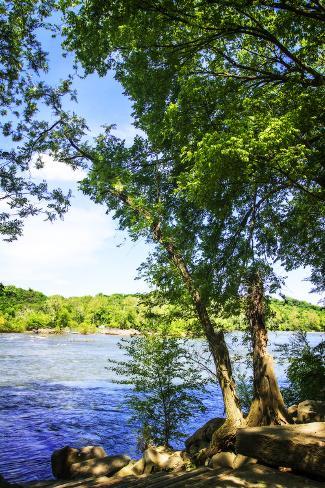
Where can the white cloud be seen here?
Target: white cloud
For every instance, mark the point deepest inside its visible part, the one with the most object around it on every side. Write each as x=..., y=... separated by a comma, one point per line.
x=55, y=171
x=52, y=249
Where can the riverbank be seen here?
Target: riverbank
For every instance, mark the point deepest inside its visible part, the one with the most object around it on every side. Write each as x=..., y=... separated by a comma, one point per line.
x=27, y=310
x=113, y=331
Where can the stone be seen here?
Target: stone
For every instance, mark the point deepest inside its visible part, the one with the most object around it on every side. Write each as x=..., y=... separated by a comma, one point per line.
x=134, y=468
x=241, y=461
x=292, y=411
x=299, y=446
x=202, y=437
x=90, y=452
x=155, y=457
x=176, y=462
x=99, y=467
x=310, y=411
x=223, y=460
x=61, y=461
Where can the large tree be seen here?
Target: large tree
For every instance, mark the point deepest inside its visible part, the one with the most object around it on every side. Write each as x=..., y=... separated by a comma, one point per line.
x=232, y=92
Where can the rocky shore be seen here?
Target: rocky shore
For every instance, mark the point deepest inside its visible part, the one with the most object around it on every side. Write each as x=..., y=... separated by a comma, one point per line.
x=269, y=456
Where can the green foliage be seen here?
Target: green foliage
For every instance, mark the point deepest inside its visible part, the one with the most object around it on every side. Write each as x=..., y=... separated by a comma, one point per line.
x=229, y=95
x=22, y=310
x=291, y=314
x=23, y=95
x=165, y=387
x=13, y=298
x=306, y=369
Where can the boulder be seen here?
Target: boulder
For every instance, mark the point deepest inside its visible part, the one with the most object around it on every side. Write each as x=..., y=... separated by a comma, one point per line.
x=241, y=461
x=155, y=458
x=104, y=466
x=161, y=459
x=90, y=452
x=177, y=461
x=310, y=411
x=300, y=447
x=293, y=411
x=202, y=437
x=63, y=459
x=223, y=460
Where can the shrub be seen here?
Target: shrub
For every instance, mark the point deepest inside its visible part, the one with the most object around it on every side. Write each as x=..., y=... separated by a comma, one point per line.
x=306, y=369
x=165, y=387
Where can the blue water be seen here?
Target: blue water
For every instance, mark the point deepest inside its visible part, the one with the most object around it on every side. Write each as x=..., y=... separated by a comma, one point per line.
x=56, y=391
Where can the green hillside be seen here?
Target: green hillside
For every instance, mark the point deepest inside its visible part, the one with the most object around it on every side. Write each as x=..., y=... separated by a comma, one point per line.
x=26, y=310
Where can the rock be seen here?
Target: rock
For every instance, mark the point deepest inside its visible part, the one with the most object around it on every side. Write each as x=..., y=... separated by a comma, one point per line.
x=301, y=447
x=155, y=457
x=63, y=459
x=134, y=468
x=310, y=411
x=292, y=411
x=177, y=462
x=138, y=467
x=202, y=437
x=99, y=467
x=223, y=460
x=161, y=459
x=90, y=452
x=242, y=461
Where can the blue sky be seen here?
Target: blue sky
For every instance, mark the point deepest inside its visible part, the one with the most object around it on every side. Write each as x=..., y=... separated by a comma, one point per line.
x=85, y=253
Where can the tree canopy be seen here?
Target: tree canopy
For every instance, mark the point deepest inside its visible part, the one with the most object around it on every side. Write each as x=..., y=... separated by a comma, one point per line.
x=231, y=92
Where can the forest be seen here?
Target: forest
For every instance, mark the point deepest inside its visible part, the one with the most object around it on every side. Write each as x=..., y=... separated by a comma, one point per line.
x=28, y=310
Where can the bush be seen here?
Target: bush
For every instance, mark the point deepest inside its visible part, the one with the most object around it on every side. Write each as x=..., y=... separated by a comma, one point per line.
x=165, y=388
x=306, y=369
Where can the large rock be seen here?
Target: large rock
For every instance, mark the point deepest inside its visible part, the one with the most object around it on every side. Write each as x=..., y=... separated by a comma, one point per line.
x=162, y=459
x=99, y=467
x=301, y=447
x=202, y=437
x=63, y=459
x=223, y=460
x=310, y=411
x=243, y=461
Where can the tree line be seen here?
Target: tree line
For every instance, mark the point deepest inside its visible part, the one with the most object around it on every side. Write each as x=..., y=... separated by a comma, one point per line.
x=27, y=310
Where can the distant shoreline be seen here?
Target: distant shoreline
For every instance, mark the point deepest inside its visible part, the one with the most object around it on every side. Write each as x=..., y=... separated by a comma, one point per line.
x=114, y=331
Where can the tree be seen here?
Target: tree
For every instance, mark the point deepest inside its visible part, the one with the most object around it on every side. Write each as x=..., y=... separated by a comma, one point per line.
x=23, y=94
x=251, y=162
x=124, y=179
x=165, y=390
x=305, y=370
x=182, y=75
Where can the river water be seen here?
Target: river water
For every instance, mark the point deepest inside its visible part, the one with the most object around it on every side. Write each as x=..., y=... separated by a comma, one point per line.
x=56, y=391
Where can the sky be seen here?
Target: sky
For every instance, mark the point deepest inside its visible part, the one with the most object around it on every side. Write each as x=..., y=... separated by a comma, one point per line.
x=85, y=253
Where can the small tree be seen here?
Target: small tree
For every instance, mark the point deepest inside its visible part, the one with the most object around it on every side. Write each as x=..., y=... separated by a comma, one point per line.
x=306, y=369
x=165, y=387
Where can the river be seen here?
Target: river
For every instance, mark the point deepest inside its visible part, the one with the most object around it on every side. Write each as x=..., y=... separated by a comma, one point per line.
x=56, y=391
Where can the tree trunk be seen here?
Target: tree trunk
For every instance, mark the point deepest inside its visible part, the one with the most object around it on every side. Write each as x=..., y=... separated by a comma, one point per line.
x=268, y=405
x=216, y=340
